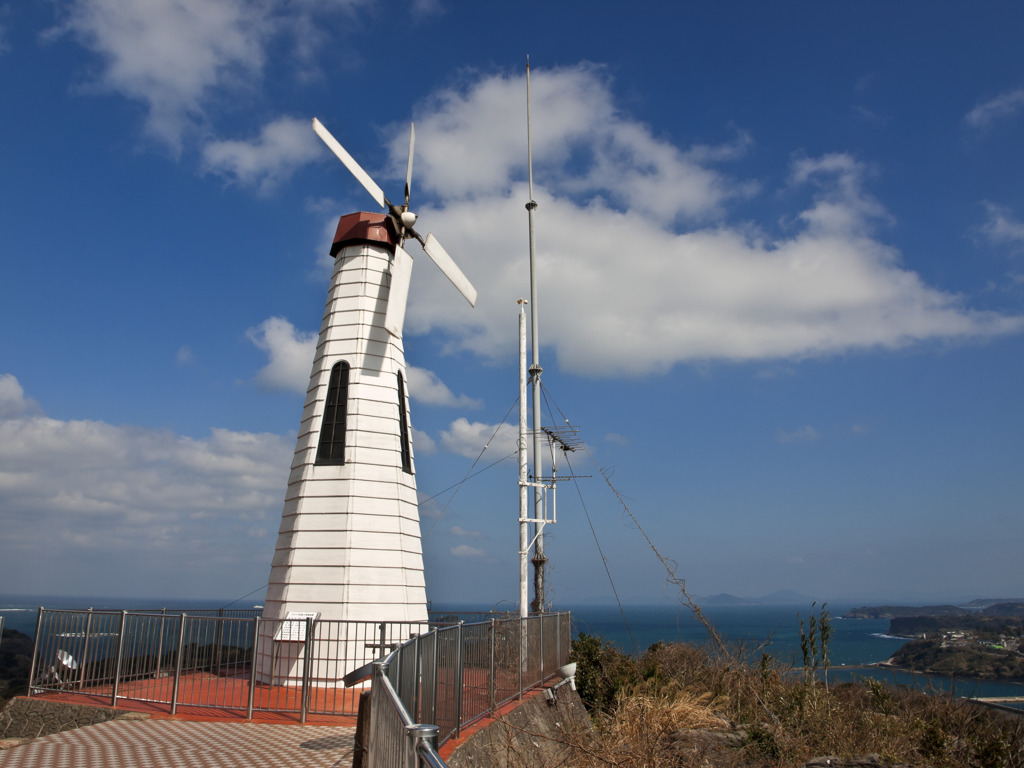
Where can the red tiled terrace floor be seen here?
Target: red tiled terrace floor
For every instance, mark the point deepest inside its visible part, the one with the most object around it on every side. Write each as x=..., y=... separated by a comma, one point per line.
x=206, y=697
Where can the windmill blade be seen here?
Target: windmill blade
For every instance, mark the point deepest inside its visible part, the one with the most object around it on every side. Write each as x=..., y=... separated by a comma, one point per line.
x=349, y=162
x=401, y=272
x=447, y=265
x=408, y=170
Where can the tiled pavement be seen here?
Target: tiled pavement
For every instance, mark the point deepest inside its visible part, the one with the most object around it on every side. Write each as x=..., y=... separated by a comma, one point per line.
x=184, y=744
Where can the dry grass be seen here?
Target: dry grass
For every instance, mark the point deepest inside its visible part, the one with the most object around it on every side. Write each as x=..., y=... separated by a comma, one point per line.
x=779, y=718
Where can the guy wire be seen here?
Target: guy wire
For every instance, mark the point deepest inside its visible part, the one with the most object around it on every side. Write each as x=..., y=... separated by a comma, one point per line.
x=458, y=486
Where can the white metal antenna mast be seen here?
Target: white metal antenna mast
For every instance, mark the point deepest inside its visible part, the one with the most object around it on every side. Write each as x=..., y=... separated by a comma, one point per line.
x=524, y=486
x=539, y=560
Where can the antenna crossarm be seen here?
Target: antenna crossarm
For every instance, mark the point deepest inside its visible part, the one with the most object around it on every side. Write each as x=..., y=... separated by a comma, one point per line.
x=540, y=527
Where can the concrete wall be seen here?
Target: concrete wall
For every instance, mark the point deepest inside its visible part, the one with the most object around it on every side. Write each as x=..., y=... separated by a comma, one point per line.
x=535, y=733
x=25, y=718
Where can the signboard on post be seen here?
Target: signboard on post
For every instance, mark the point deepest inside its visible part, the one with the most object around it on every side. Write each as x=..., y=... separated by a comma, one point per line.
x=293, y=628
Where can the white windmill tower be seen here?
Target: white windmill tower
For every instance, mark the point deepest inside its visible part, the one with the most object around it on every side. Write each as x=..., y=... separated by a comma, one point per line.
x=349, y=543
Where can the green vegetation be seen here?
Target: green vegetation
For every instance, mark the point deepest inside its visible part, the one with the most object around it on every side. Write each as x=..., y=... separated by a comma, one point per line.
x=896, y=611
x=814, y=643
x=986, y=657
x=912, y=626
x=985, y=641
x=15, y=660
x=738, y=707
x=974, y=610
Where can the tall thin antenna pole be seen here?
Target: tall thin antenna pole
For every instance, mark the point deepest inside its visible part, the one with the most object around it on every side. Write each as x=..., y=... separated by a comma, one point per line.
x=539, y=560
x=524, y=504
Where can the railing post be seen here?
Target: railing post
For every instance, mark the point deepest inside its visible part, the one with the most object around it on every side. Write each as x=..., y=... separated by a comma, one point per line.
x=35, y=651
x=522, y=655
x=396, y=675
x=219, y=642
x=252, y=665
x=85, y=650
x=458, y=684
x=541, y=622
x=416, y=714
x=160, y=643
x=558, y=640
x=494, y=641
x=120, y=651
x=415, y=735
x=306, y=661
x=437, y=675
x=177, y=663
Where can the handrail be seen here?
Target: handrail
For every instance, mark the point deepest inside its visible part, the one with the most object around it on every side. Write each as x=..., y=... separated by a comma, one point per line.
x=468, y=663
x=441, y=677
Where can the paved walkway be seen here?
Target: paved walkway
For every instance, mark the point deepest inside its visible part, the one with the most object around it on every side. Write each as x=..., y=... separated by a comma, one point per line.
x=184, y=744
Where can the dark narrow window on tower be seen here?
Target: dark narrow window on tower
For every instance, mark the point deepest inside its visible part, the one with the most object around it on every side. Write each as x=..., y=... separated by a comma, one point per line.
x=332, y=430
x=403, y=426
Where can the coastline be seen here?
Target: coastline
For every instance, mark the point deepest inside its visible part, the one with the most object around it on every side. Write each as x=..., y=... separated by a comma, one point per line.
x=888, y=665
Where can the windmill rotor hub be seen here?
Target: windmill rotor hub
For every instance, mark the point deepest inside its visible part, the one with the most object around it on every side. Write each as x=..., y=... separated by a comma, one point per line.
x=401, y=220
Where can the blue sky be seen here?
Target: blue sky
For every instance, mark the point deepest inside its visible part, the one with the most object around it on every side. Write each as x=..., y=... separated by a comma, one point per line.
x=783, y=259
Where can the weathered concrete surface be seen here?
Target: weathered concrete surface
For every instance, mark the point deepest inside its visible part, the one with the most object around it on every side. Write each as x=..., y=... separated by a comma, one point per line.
x=25, y=718
x=535, y=733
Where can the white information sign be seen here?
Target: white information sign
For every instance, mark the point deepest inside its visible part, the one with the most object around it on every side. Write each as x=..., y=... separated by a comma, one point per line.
x=293, y=629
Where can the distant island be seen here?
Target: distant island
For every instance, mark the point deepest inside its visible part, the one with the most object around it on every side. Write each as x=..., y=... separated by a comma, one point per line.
x=1001, y=607
x=781, y=597
x=983, y=639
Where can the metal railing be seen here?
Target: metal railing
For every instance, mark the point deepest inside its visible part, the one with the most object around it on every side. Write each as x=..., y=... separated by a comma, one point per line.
x=219, y=659
x=429, y=688
x=428, y=680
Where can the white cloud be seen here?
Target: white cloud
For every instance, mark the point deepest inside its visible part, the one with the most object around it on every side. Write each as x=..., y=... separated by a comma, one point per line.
x=1004, y=105
x=841, y=207
x=468, y=438
x=185, y=355
x=291, y=354
x=471, y=144
x=462, y=533
x=172, y=55
x=1001, y=227
x=424, y=8
x=426, y=387
x=186, y=59
x=624, y=290
x=78, y=495
x=464, y=550
x=868, y=116
x=806, y=434
x=323, y=261
x=282, y=146
x=12, y=397
x=423, y=443
x=614, y=437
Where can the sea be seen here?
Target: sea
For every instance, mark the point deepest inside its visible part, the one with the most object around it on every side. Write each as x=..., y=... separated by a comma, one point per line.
x=773, y=629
